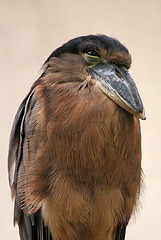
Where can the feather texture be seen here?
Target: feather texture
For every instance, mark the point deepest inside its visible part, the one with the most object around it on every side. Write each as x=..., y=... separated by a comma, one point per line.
x=74, y=156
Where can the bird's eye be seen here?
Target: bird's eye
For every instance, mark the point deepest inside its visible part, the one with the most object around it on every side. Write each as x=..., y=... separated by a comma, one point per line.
x=92, y=56
x=93, y=53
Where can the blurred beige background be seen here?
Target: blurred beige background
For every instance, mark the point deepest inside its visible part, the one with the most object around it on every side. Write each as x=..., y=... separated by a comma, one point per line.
x=31, y=30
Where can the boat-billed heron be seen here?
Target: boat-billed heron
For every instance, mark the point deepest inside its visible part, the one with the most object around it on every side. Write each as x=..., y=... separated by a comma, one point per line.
x=75, y=147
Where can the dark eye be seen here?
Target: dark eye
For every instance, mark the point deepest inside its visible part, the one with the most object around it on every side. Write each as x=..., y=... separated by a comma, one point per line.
x=92, y=56
x=93, y=53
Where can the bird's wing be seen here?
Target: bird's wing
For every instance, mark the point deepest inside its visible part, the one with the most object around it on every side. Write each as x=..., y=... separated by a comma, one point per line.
x=31, y=227
x=120, y=232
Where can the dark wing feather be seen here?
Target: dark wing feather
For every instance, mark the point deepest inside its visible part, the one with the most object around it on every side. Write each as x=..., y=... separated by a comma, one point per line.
x=31, y=227
x=120, y=232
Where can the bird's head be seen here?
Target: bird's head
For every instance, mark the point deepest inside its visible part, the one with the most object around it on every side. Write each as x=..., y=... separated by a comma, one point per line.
x=100, y=61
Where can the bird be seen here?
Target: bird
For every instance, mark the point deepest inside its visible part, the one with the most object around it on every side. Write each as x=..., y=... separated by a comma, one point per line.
x=75, y=153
